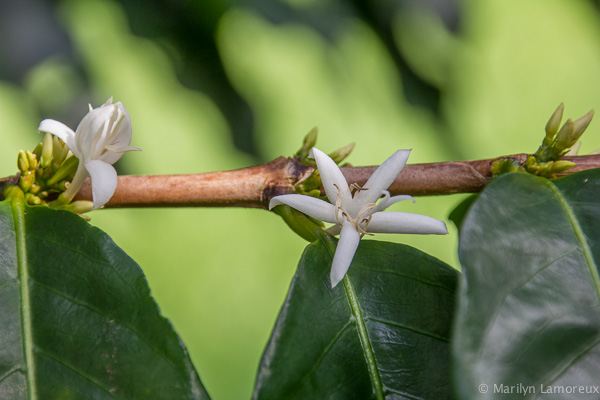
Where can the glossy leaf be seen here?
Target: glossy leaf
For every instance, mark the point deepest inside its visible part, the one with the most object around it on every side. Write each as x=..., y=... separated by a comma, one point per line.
x=529, y=308
x=78, y=321
x=459, y=213
x=381, y=333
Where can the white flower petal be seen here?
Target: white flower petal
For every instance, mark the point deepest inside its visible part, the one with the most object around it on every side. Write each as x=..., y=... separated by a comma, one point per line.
x=115, y=153
x=104, y=181
x=388, y=201
x=311, y=206
x=90, y=133
x=117, y=149
x=344, y=253
x=59, y=130
x=80, y=175
x=123, y=137
x=401, y=222
x=331, y=176
x=383, y=177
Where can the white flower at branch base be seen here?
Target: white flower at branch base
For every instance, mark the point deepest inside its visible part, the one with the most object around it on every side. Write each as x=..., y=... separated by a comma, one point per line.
x=100, y=140
x=355, y=210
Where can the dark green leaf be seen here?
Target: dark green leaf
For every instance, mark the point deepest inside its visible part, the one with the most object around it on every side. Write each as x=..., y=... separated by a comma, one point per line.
x=381, y=333
x=529, y=308
x=459, y=213
x=78, y=321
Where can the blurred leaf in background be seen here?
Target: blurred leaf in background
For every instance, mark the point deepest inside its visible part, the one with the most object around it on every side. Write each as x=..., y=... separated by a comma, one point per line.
x=219, y=85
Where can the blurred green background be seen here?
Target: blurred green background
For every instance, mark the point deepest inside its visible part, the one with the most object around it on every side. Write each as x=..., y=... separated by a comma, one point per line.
x=215, y=85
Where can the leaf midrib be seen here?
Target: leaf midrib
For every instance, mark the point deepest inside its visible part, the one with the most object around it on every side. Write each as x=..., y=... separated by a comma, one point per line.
x=361, y=327
x=25, y=303
x=364, y=338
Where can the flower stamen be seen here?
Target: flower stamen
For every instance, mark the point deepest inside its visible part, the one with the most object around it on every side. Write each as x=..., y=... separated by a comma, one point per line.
x=354, y=188
x=364, y=215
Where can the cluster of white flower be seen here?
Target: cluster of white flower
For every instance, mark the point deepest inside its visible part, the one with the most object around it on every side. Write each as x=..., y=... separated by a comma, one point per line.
x=100, y=140
x=104, y=134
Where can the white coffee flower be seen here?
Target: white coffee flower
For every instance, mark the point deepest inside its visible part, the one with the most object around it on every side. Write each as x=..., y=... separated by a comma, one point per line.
x=100, y=140
x=356, y=213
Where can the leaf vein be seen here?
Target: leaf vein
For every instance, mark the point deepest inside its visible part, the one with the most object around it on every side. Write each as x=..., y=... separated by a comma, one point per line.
x=102, y=314
x=78, y=372
x=408, y=328
x=517, y=286
x=323, y=354
x=10, y=372
x=411, y=277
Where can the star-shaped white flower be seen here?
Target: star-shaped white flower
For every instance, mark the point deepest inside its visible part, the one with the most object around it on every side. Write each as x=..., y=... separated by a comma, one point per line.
x=100, y=140
x=356, y=213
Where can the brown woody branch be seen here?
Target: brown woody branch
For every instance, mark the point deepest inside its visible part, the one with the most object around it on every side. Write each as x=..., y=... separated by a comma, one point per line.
x=255, y=186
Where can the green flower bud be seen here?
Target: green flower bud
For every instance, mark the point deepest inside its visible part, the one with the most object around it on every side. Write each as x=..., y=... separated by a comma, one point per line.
x=59, y=152
x=340, y=154
x=26, y=181
x=32, y=160
x=32, y=199
x=22, y=162
x=65, y=171
x=308, y=143
x=561, y=166
x=554, y=122
x=35, y=188
x=79, y=207
x=564, y=139
x=569, y=135
x=580, y=125
x=46, y=151
x=60, y=201
x=62, y=186
x=38, y=150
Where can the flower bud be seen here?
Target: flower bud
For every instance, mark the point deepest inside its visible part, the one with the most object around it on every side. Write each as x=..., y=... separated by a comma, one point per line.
x=340, y=154
x=554, y=122
x=26, y=181
x=22, y=162
x=580, y=125
x=561, y=166
x=565, y=136
x=59, y=152
x=38, y=150
x=46, y=151
x=80, y=206
x=32, y=160
x=35, y=188
x=61, y=186
x=65, y=171
x=32, y=199
x=308, y=143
